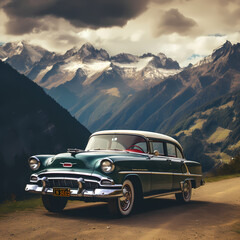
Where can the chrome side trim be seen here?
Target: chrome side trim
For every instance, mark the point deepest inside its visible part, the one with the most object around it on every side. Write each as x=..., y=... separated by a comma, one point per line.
x=136, y=172
x=160, y=173
x=162, y=194
x=186, y=168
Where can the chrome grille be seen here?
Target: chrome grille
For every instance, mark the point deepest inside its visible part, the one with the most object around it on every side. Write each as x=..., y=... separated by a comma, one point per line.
x=62, y=183
x=70, y=183
x=69, y=175
x=90, y=185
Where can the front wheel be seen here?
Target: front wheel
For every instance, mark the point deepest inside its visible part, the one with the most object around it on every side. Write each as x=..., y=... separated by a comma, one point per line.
x=185, y=195
x=123, y=206
x=54, y=204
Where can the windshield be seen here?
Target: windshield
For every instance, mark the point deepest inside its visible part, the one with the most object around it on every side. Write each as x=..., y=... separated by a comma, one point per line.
x=117, y=142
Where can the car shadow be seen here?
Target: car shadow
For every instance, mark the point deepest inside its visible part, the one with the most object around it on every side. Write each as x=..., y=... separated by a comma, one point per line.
x=154, y=212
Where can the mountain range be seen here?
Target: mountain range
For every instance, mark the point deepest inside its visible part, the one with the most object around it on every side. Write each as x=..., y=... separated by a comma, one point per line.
x=87, y=81
x=148, y=92
x=159, y=108
x=31, y=122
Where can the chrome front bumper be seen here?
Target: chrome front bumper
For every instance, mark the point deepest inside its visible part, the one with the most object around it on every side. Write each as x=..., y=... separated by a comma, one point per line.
x=97, y=193
x=106, y=188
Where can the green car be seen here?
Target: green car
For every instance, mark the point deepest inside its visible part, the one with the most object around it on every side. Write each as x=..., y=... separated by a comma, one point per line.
x=118, y=166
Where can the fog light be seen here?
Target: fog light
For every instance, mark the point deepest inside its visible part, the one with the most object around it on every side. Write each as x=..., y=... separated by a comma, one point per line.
x=34, y=178
x=106, y=182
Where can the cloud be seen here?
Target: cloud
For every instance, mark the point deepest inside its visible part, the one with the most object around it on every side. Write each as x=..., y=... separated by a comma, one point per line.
x=172, y=21
x=80, y=13
x=24, y=25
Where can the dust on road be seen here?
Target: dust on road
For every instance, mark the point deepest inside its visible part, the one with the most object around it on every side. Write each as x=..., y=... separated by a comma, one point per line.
x=213, y=213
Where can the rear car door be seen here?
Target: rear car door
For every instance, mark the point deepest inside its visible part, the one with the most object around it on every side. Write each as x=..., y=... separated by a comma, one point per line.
x=160, y=166
x=175, y=157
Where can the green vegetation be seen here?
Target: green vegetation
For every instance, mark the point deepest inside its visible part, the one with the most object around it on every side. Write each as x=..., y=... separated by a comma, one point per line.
x=225, y=171
x=233, y=167
x=15, y=206
x=211, y=134
x=237, y=228
x=219, y=178
x=219, y=135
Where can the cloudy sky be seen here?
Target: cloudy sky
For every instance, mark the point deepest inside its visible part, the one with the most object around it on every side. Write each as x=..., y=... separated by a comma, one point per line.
x=184, y=30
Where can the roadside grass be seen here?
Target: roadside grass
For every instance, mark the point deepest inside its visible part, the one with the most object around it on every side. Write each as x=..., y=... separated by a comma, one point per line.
x=15, y=206
x=221, y=177
x=237, y=228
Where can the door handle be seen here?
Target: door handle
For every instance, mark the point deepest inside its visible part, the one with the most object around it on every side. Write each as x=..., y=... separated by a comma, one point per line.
x=169, y=160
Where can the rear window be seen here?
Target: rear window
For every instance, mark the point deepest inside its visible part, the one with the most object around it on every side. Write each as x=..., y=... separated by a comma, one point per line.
x=179, y=154
x=159, y=147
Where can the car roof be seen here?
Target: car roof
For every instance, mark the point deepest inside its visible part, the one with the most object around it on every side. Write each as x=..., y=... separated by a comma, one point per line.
x=145, y=134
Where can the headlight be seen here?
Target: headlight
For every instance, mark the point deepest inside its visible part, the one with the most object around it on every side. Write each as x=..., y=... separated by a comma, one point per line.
x=107, y=165
x=34, y=163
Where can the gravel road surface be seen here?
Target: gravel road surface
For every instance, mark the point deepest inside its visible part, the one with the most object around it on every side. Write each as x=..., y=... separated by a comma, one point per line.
x=213, y=213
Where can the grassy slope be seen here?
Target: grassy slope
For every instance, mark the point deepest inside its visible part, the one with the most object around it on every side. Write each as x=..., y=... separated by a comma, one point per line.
x=214, y=129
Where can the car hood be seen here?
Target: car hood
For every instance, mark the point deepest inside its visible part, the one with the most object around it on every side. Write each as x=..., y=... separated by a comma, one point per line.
x=84, y=160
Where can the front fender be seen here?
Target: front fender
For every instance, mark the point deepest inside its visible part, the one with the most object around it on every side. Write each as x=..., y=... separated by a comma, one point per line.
x=44, y=161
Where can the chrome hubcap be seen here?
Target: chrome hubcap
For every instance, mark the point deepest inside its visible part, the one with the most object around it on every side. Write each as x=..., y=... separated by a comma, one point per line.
x=126, y=199
x=186, y=190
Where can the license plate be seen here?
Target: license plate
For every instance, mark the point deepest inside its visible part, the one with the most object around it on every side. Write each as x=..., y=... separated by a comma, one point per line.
x=61, y=192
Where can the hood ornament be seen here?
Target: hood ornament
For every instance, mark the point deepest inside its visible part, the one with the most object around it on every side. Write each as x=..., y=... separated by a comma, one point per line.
x=74, y=151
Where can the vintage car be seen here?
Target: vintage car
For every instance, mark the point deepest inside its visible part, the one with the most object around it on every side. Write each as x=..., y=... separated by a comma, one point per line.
x=118, y=166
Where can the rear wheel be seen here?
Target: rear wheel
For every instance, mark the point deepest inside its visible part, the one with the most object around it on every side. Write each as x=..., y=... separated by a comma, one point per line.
x=54, y=204
x=124, y=205
x=185, y=195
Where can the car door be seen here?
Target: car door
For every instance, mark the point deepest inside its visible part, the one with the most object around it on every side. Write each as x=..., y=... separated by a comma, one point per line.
x=160, y=166
x=176, y=158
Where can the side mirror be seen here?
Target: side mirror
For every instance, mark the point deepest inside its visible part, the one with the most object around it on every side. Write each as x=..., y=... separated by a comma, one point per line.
x=156, y=153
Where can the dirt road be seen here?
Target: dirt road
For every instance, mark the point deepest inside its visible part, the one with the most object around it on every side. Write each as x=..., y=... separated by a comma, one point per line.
x=214, y=213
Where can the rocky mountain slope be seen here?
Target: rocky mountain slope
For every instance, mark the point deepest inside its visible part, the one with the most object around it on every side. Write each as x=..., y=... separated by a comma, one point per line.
x=31, y=122
x=87, y=81
x=160, y=107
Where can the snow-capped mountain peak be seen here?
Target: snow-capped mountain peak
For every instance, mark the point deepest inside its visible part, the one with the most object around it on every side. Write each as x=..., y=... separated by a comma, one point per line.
x=217, y=53
x=222, y=50
x=10, y=49
x=51, y=70
x=125, y=58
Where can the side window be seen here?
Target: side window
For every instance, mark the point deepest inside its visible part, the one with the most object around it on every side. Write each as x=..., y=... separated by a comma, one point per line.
x=171, y=150
x=158, y=146
x=142, y=146
x=179, y=154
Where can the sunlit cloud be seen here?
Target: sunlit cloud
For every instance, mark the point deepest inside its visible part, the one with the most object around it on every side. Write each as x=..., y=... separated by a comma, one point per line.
x=181, y=29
